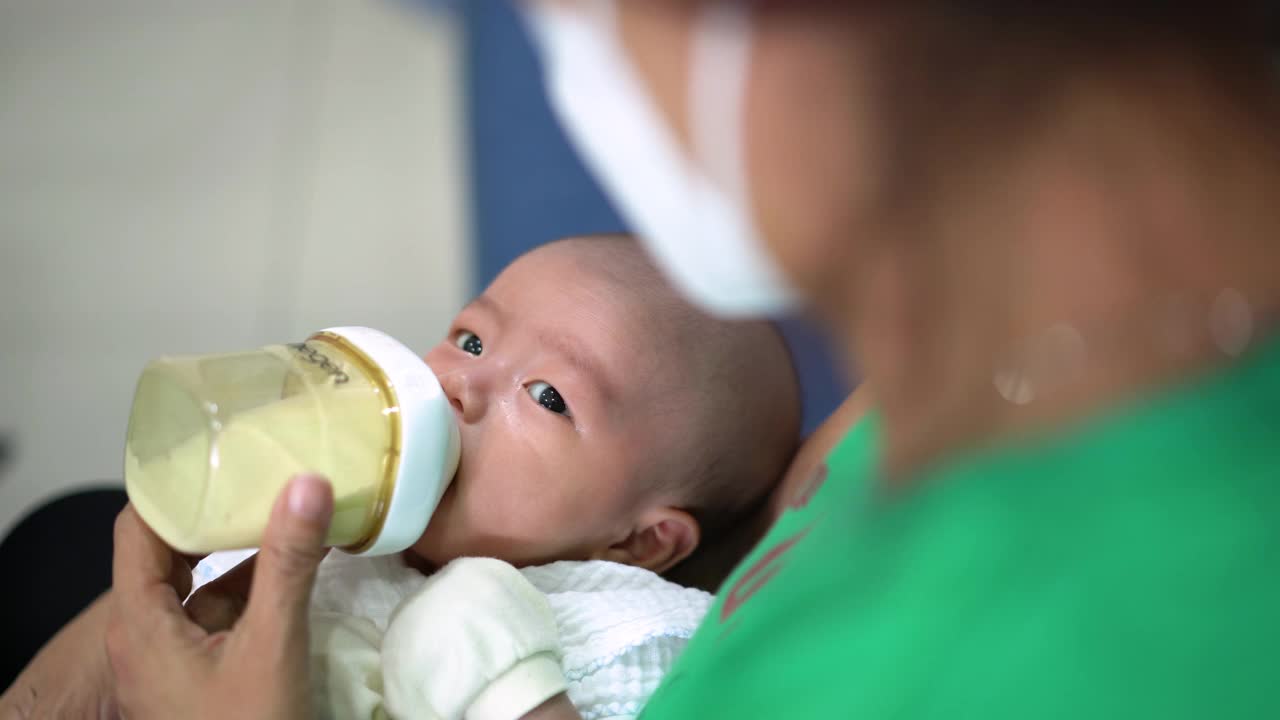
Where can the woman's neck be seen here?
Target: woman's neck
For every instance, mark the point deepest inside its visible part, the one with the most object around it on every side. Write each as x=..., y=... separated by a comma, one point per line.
x=1116, y=258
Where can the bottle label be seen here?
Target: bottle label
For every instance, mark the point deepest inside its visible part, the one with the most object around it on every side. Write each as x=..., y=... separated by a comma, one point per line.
x=313, y=356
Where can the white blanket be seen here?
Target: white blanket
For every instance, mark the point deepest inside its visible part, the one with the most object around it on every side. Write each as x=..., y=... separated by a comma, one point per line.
x=621, y=628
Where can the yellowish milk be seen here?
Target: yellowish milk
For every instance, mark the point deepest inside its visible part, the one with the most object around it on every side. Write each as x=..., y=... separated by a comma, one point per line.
x=215, y=491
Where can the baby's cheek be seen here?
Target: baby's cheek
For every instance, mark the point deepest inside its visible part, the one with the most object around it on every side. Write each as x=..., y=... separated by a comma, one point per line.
x=521, y=513
x=517, y=498
x=491, y=499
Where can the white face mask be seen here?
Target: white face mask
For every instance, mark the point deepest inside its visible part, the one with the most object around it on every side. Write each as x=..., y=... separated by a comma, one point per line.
x=693, y=216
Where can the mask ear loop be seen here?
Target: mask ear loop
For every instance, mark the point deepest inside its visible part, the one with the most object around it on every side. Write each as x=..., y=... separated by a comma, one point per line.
x=720, y=62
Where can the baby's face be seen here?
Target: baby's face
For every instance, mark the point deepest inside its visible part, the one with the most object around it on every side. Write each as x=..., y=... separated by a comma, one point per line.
x=563, y=406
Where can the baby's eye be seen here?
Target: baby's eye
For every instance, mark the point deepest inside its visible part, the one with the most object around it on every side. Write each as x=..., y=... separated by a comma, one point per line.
x=469, y=342
x=549, y=398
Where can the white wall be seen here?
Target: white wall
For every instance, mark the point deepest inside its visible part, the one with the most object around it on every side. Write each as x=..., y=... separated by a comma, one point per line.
x=197, y=175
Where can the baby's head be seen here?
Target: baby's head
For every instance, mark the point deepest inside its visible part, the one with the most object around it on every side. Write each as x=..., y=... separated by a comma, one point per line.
x=603, y=417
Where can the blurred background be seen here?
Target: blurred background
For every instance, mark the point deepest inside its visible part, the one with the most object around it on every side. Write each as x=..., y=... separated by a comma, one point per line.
x=192, y=176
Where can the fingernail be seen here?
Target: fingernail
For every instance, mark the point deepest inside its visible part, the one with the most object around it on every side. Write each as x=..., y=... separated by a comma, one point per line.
x=307, y=497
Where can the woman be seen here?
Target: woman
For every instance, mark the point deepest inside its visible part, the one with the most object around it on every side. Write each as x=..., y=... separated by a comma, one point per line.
x=1047, y=235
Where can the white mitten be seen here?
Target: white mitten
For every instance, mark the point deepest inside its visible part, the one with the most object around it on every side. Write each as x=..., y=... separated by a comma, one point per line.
x=477, y=641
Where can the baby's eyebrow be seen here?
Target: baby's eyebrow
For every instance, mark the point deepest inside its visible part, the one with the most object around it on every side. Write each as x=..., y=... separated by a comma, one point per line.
x=486, y=304
x=584, y=361
x=573, y=350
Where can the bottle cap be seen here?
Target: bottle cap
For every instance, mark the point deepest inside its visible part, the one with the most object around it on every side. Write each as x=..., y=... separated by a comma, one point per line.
x=428, y=439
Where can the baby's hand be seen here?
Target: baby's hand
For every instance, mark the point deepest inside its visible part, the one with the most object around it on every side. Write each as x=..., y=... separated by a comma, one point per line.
x=477, y=641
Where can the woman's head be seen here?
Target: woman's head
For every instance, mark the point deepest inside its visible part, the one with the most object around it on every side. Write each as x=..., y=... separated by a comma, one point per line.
x=938, y=180
x=830, y=131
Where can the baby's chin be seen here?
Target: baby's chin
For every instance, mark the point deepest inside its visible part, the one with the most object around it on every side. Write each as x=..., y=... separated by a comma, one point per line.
x=418, y=562
x=446, y=538
x=434, y=538
x=430, y=552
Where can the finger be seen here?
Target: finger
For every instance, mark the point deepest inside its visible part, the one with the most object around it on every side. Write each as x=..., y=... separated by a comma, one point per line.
x=286, y=567
x=180, y=578
x=146, y=620
x=217, y=604
x=141, y=562
x=145, y=558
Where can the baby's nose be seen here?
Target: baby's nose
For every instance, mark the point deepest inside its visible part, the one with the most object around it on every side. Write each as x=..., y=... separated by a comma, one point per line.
x=463, y=394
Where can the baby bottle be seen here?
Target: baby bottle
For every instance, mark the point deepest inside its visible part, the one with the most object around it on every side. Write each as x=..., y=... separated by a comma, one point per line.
x=213, y=439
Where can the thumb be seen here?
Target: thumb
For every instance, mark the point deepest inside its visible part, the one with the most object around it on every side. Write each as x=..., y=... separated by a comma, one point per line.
x=286, y=566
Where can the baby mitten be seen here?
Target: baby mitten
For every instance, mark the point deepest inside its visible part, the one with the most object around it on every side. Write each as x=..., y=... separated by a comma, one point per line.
x=477, y=641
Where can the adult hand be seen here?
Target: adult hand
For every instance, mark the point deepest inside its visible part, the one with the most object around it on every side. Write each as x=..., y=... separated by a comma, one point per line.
x=167, y=666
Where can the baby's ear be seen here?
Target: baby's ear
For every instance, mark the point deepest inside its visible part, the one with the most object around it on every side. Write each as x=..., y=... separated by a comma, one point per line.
x=662, y=537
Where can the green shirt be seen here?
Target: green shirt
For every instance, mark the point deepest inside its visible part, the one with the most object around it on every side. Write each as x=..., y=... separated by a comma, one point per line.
x=1129, y=568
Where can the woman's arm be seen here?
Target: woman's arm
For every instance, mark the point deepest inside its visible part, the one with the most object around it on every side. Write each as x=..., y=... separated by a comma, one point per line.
x=70, y=676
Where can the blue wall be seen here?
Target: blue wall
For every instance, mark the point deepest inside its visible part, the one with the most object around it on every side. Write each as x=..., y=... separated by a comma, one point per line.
x=530, y=187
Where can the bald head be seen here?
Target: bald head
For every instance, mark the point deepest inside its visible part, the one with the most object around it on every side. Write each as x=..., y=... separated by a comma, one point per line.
x=732, y=418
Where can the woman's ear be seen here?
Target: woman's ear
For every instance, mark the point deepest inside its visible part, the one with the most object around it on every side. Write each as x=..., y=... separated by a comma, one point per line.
x=662, y=537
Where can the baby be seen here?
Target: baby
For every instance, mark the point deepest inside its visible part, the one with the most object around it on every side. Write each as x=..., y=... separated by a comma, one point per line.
x=602, y=419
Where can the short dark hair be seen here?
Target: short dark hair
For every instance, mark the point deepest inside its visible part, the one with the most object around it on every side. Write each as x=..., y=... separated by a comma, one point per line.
x=952, y=75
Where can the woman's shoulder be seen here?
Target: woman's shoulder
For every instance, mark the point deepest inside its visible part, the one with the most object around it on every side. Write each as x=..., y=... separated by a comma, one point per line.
x=811, y=460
